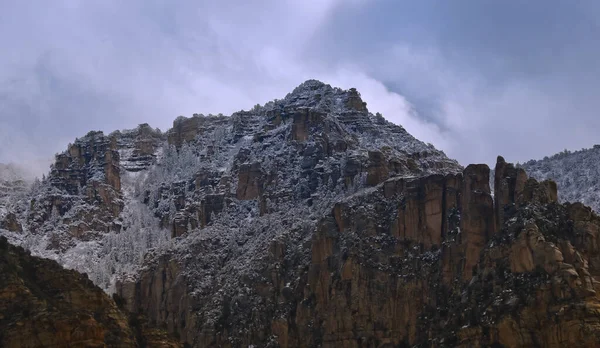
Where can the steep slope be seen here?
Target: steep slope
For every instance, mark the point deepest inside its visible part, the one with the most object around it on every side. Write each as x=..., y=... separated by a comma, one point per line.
x=84, y=207
x=83, y=194
x=576, y=173
x=429, y=261
x=109, y=199
x=318, y=136
x=311, y=222
x=43, y=305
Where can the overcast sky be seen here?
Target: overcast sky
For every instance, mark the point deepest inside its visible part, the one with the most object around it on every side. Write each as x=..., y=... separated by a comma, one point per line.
x=477, y=78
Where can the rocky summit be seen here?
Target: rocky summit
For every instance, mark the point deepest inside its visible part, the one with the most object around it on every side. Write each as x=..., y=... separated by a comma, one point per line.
x=304, y=222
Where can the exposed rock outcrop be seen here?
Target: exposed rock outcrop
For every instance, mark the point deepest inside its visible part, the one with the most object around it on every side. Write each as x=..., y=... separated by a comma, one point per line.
x=414, y=261
x=250, y=179
x=311, y=222
x=82, y=196
x=509, y=183
x=82, y=191
x=138, y=147
x=186, y=130
x=285, y=152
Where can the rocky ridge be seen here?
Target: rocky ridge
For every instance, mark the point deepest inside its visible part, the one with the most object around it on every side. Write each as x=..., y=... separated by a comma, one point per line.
x=577, y=174
x=311, y=222
x=82, y=195
x=317, y=139
x=429, y=261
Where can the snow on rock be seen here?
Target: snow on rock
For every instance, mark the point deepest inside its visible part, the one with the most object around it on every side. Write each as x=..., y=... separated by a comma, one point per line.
x=256, y=227
x=577, y=174
x=243, y=179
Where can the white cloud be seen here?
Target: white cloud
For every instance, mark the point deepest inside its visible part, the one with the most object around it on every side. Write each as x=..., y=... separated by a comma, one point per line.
x=75, y=66
x=476, y=120
x=393, y=106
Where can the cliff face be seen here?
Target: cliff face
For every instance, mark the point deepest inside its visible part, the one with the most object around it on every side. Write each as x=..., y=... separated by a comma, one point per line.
x=311, y=222
x=85, y=186
x=426, y=261
x=43, y=305
x=82, y=196
x=285, y=151
x=138, y=147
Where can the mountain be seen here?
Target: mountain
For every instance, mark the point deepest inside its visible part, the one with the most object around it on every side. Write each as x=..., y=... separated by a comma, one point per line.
x=413, y=261
x=310, y=221
x=138, y=188
x=576, y=173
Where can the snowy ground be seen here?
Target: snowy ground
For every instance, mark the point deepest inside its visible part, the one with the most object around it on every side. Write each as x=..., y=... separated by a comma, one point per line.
x=115, y=253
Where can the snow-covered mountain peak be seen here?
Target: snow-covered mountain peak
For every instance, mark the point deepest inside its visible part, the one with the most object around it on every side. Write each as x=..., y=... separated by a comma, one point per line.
x=318, y=96
x=141, y=187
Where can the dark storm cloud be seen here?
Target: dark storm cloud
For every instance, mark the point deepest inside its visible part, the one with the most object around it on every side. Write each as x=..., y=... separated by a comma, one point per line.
x=476, y=78
x=75, y=66
x=517, y=78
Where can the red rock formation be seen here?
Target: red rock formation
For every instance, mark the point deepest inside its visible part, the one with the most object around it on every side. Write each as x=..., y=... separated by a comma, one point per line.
x=303, y=120
x=416, y=261
x=88, y=172
x=138, y=147
x=250, y=179
x=185, y=130
x=377, y=168
x=477, y=214
x=509, y=183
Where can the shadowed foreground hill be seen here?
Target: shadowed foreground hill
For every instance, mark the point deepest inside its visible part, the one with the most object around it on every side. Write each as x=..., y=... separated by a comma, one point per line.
x=44, y=305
